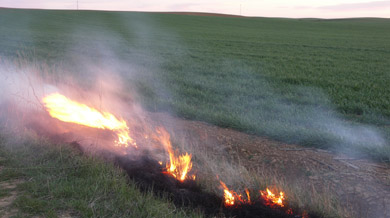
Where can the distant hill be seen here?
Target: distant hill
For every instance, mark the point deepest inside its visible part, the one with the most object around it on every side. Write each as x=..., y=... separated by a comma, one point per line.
x=202, y=14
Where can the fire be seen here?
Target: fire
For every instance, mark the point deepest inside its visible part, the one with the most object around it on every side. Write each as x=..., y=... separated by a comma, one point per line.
x=271, y=199
x=247, y=195
x=228, y=195
x=66, y=110
x=231, y=198
x=178, y=165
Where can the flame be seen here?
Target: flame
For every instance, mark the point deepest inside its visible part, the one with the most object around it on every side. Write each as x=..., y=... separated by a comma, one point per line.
x=228, y=195
x=247, y=195
x=271, y=199
x=231, y=198
x=178, y=165
x=66, y=110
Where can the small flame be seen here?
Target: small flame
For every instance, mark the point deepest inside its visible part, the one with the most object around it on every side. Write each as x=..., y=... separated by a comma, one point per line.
x=231, y=198
x=247, y=195
x=271, y=199
x=228, y=195
x=178, y=165
x=66, y=110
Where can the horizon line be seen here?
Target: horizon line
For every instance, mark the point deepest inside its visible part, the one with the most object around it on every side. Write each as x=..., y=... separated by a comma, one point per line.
x=193, y=13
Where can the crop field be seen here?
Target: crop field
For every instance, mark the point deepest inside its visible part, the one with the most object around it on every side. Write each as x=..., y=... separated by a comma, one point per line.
x=317, y=83
x=291, y=80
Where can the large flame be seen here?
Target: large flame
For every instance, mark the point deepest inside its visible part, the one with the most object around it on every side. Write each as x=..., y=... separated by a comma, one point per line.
x=66, y=110
x=178, y=165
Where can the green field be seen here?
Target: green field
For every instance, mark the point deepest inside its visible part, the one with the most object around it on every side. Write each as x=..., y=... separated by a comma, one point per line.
x=317, y=83
x=321, y=83
x=57, y=181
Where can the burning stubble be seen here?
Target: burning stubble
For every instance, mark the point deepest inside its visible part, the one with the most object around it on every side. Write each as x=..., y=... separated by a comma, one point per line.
x=121, y=126
x=123, y=131
x=64, y=109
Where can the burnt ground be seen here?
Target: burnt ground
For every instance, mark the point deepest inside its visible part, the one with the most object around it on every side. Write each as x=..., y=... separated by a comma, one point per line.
x=361, y=186
x=147, y=173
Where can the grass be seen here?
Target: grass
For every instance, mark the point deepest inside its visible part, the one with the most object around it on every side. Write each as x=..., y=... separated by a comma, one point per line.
x=303, y=81
x=301, y=195
x=55, y=180
x=59, y=181
x=319, y=83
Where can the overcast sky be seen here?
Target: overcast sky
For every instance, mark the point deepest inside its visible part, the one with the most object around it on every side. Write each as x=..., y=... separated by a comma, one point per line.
x=267, y=8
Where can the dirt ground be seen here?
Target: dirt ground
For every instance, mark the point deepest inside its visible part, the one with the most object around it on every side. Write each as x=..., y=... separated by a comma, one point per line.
x=361, y=186
x=8, y=199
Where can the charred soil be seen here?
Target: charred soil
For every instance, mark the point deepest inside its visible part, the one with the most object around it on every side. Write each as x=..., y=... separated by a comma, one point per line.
x=361, y=186
x=148, y=174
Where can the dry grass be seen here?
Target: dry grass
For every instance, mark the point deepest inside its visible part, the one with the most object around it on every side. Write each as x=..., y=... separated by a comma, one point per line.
x=213, y=165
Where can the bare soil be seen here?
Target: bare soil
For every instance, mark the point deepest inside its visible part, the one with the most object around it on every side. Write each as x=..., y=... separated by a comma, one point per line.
x=6, y=201
x=362, y=186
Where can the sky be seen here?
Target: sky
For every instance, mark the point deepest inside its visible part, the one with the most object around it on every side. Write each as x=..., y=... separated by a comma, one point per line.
x=260, y=8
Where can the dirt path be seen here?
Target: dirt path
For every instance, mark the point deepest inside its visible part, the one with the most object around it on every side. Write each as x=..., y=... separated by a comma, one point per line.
x=8, y=194
x=361, y=185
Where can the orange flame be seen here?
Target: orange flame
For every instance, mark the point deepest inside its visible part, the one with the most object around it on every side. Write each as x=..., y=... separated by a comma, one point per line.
x=271, y=199
x=178, y=166
x=247, y=195
x=66, y=110
x=228, y=195
x=231, y=198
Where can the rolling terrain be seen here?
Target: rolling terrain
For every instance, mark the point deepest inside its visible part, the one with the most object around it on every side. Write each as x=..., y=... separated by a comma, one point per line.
x=293, y=80
x=306, y=100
